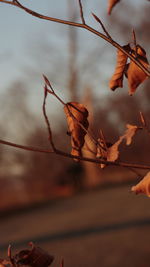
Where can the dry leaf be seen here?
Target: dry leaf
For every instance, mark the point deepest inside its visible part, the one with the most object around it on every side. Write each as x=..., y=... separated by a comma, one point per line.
x=112, y=152
x=130, y=132
x=117, y=78
x=111, y=4
x=135, y=74
x=36, y=257
x=76, y=118
x=143, y=186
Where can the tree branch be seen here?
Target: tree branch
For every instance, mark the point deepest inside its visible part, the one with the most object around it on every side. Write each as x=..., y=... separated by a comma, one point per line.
x=80, y=25
x=47, y=120
x=67, y=155
x=81, y=12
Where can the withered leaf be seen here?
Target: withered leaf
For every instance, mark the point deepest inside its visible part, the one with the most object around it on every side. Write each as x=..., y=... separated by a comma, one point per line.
x=36, y=257
x=130, y=132
x=111, y=4
x=143, y=186
x=76, y=115
x=117, y=78
x=111, y=153
x=135, y=74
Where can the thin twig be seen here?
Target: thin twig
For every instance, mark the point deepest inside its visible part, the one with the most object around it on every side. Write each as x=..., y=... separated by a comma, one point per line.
x=28, y=148
x=81, y=12
x=102, y=25
x=80, y=25
x=144, y=123
x=67, y=155
x=50, y=137
x=135, y=171
x=102, y=137
x=134, y=42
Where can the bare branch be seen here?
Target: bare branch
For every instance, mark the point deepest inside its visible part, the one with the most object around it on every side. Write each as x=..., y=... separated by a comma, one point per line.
x=81, y=12
x=134, y=41
x=67, y=155
x=102, y=25
x=28, y=148
x=80, y=25
x=102, y=137
x=139, y=175
x=47, y=120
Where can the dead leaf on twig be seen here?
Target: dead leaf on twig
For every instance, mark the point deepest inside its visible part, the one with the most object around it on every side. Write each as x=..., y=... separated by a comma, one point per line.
x=77, y=124
x=110, y=152
x=117, y=78
x=143, y=186
x=130, y=132
x=135, y=74
x=111, y=4
x=113, y=151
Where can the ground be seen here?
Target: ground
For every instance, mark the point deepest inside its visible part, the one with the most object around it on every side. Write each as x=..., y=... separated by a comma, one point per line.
x=107, y=227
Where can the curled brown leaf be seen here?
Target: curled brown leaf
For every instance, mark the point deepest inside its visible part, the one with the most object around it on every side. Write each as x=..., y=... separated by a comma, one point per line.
x=76, y=115
x=135, y=74
x=117, y=78
x=130, y=132
x=111, y=4
x=143, y=186
x=111, y=152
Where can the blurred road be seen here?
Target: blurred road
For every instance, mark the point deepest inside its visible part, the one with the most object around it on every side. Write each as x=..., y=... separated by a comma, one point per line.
x=108, y=227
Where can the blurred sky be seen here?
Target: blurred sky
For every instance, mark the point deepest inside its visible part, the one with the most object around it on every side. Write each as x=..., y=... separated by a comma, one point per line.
x=19, y=30
x=26, y=42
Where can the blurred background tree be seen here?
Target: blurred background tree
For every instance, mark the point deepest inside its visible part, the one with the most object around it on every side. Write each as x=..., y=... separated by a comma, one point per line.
x=79, y=65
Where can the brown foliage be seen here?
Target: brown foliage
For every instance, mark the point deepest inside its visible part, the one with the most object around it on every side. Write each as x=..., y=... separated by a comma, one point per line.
x=77, y=124
x=143, y=186
x=111, y=4
x=134, y=74
x=111, y=152
x=117, y=78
